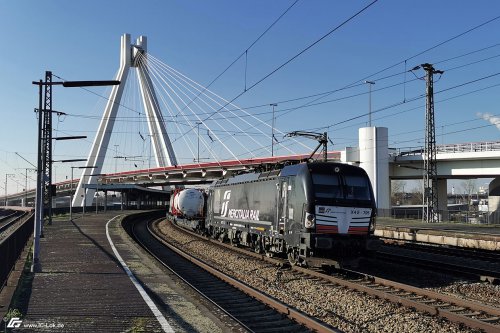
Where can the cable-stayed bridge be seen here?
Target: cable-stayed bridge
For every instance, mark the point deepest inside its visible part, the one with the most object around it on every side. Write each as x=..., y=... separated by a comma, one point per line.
x=166, y=129
x=177, y=121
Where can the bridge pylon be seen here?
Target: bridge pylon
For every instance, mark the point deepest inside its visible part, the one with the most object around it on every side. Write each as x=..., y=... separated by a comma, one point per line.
x=131, y=55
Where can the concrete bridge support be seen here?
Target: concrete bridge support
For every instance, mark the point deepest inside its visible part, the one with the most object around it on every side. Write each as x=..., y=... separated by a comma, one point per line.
x=494, y=201
x=442, y=193
x=374, y=159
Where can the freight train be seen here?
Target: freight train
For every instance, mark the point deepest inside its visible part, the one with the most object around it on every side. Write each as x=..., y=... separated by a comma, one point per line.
x=306, y=211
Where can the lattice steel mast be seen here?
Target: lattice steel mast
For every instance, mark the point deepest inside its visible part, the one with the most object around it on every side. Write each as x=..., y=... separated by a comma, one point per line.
x=46, y=139
x=430, y=166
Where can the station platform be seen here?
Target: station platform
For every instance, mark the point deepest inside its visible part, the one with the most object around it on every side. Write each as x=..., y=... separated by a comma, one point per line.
x=473, y=236
x=83, y=287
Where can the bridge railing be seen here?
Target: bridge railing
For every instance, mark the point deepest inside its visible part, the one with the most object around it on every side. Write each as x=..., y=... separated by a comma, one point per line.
x=458, y=216
x=451, y=148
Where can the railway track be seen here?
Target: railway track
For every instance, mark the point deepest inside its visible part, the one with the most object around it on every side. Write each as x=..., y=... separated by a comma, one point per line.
x=471, y=264
x=8, y=221
x=253, y=310
x=476, y=254
x=466, y=312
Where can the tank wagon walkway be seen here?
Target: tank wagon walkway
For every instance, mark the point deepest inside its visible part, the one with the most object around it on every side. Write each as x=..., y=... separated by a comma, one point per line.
x=82, y=286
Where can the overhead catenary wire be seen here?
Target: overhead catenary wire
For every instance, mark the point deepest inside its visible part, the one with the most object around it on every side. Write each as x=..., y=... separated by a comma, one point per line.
x=311, y=103
x=245, y=53
x=293, y=58
x=218, y=101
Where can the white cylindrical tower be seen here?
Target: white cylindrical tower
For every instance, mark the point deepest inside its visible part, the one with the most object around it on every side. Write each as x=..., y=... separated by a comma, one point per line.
x=374, y=159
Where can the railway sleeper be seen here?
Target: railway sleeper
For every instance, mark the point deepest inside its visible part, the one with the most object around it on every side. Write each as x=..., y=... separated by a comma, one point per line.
x=238, y=302
x=428, y=301
x=471, y=314
x=291, y=328
x=491, y=319
x=279, y=321
x=457, y=309
x=218, y=288
x=268, y=315
x=251, y=308
x=218, y=297
x=444, y=305
x=416, y=297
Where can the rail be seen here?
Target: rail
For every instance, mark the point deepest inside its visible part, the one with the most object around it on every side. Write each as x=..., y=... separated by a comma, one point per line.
x=451, y=148
x=285, y=310
x=12, y=246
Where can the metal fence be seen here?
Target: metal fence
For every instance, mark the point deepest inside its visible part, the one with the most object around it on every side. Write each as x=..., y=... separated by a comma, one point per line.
x=451, y=148
x=12, y=246
x=460, y=216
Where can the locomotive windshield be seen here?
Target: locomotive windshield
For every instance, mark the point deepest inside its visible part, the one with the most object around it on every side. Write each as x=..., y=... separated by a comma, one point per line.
x=327, y=186
x=357, y=187
x=340, y=187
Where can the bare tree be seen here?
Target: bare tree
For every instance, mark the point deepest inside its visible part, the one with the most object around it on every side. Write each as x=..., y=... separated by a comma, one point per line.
x=416, y=196
x=469, y=187
x=397, y=189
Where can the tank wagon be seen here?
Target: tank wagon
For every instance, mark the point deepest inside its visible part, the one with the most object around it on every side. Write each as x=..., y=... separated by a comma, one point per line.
x=187, y=207
x=303, y=211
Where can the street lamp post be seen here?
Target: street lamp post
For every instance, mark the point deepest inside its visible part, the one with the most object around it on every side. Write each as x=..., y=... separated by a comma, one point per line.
x=26, y=184
x=370, y=83
x=85, y=191
x=71, y=190
x=116, y=155
x=6, y=176
x=198, y=154
x=96, y=197
x=272, y=130
x=45, y=155
x=150, y=144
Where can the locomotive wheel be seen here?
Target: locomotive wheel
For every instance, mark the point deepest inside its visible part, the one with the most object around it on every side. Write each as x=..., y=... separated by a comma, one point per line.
x=234, y=242
x=257, y=246
x=293, y=257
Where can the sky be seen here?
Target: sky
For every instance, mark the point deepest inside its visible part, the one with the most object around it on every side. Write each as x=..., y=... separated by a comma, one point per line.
x=79, y=40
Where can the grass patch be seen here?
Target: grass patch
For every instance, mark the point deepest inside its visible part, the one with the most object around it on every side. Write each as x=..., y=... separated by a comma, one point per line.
x=139, y=325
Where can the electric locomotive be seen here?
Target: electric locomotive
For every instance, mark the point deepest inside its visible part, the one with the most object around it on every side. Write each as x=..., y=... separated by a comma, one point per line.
x=307, y=210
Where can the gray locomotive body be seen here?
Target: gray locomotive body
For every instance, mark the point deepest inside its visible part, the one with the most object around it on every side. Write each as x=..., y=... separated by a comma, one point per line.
x=304, y=210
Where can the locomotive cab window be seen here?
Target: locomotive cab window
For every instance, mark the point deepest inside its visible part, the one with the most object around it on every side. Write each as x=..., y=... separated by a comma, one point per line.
x=327, y=186
x=357, y=188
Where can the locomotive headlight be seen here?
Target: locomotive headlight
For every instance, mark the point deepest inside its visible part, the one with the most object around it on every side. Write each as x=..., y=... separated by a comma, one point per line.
x=310, y=220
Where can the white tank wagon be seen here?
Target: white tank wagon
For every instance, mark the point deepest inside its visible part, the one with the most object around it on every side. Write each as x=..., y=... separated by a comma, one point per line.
x=190, y=203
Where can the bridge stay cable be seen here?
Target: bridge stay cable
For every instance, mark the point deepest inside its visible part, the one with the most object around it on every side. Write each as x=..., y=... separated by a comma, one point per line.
x=198, y=119
x=214, y=99
x=177, y=107
x=181, y=100
x=224, y=104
